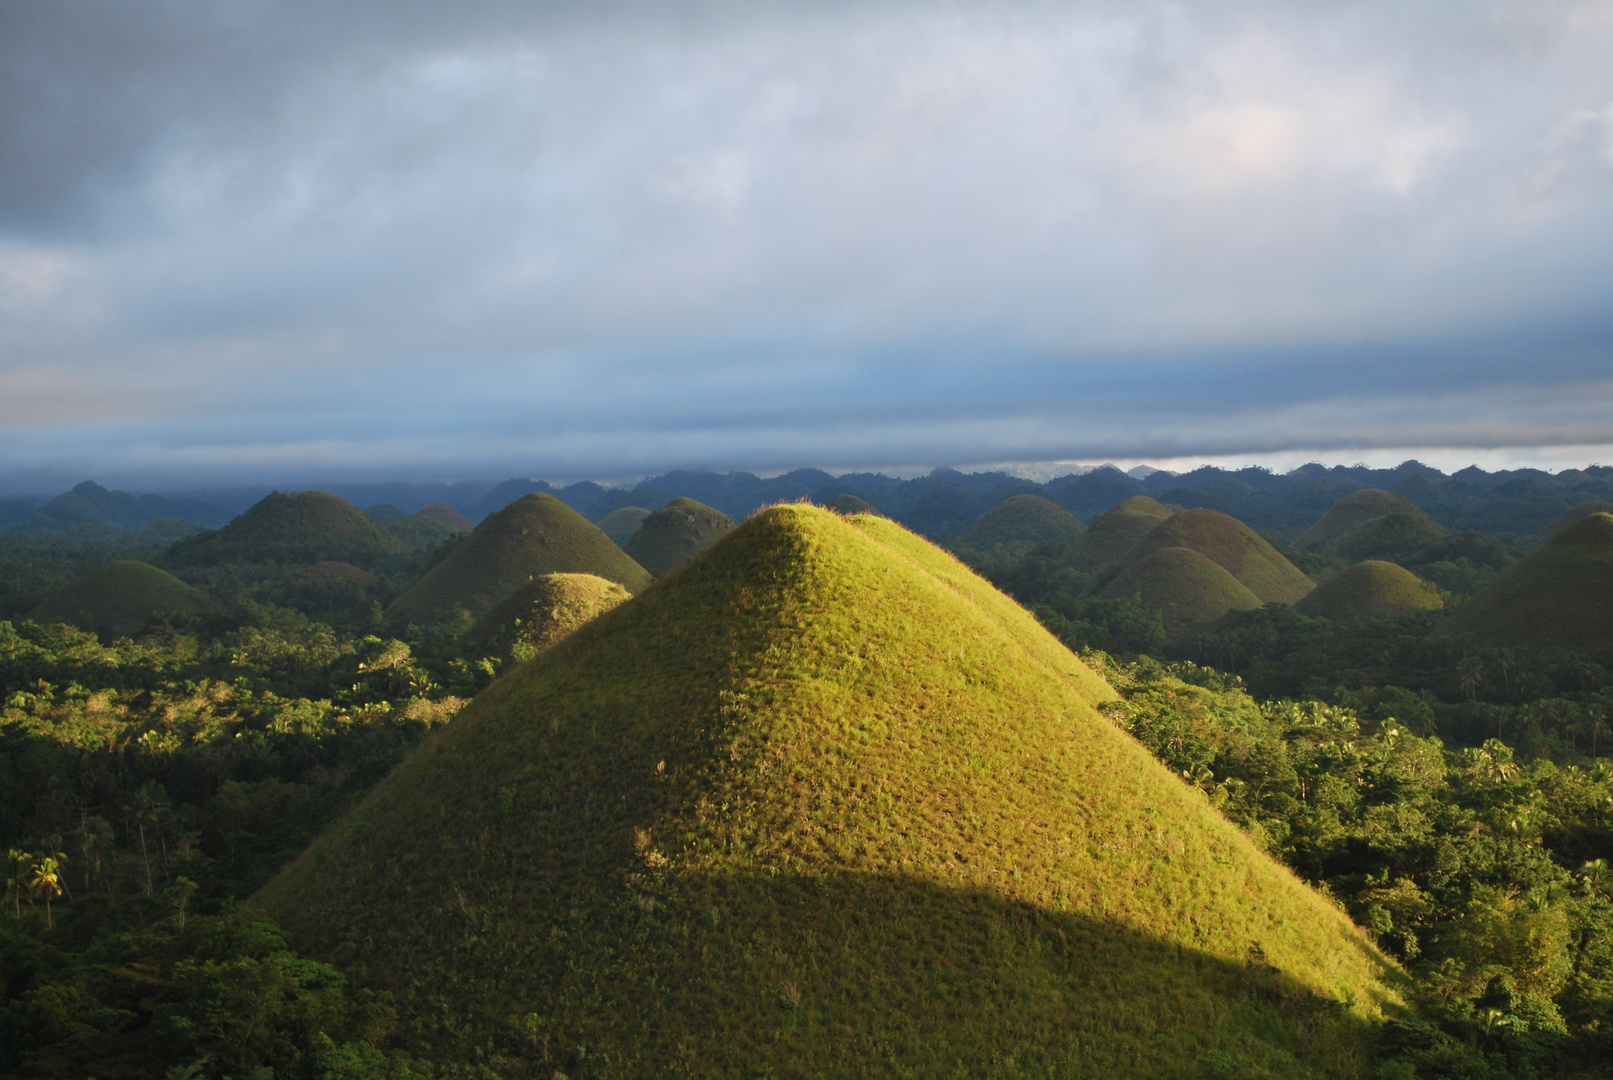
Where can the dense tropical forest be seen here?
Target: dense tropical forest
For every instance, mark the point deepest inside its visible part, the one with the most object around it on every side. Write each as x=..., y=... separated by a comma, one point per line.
x=1400, y=686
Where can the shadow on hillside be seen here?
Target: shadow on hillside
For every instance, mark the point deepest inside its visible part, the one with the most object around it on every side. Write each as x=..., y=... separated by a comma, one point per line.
x=856, y=975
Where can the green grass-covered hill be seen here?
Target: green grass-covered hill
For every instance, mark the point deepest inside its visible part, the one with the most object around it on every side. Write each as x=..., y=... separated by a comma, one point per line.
x=1184, y=587
x=541, y=613
x=1113, y=532
x=1568, y=517
x=1560, y=594
x=1370, y=590
x=385, y=514
x=823, y=804
x=620, y=525
x=676, y=533
x=536, y=534
x=428, y=527
x=119, y=598
x=1231, y=544
x=1372, y=524
x=297, y=528
x=850, y=504
x=1014, y=528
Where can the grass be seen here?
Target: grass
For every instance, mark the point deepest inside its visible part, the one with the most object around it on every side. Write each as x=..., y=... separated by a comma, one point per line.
x=302, y=527
x=1185, y=588
x=1232, y=545
x=119, y=598
x=1370, y=590
x=675, y=533
x=1560, y=594
x=1568, y=517
x=823, y=803
x=1373, y=524
x=1114, y=532
x=430, y=526
x=536, y=534
x=1014, y=528
x=620, y=525
x=541, y=614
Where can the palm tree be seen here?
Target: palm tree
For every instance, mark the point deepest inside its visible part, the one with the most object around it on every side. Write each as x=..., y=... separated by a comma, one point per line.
x=19, y=866
x=46, y=881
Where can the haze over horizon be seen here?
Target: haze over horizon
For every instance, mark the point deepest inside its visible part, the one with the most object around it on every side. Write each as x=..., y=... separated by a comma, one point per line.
x=251, y=242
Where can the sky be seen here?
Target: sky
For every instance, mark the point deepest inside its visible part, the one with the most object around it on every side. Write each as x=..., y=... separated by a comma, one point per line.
x=255, y=241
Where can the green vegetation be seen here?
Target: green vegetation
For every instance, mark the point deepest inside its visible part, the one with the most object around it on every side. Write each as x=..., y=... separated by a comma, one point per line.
x=1114, y=532
x=620, y=525
x=431, y=527
x=1013, y=529
x=676, y=533
x=1183, y=587
x=1370, y=590
x=1233, y=546
x=386, y=514
x=850, y=504
x=1568, y=517
x=850, y=811
x=535, y=535
x=1372, y=524
x=1560, y=594
x=541, y=613
x=300, y=528
x=119, y=598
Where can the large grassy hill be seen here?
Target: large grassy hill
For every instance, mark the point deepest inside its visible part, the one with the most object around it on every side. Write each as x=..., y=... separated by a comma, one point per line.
x=1560, y=594
x=1014, y=528
x=1231, y=544
x=620, y=525
x=541, y=613
x=1372, y=524
x=824, y=803
x=1114, y=532
x=1370, y=590
x=674, y=534
x=1568, y=517
x=1185, y=588
x=300, y=527
x=535, y=535
x=119, y=598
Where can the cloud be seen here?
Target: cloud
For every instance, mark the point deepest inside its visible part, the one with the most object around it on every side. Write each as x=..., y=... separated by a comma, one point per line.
x=407, y=237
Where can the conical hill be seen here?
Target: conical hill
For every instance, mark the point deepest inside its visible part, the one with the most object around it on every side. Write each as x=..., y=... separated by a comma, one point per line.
x=119, y=598
x=536, y=534
x=428, y=527
x=822, y=804
x=1114, y=531
x=299, y=528
x=541, y=613
x=1569, y=516
x=1232, y=545
x=1184, y=587
x=1370, y=590
x=1014, y=528
x=675, y=533
x=851, y=504
x=1560, y=594
x=620, y=525
x=1373, y=524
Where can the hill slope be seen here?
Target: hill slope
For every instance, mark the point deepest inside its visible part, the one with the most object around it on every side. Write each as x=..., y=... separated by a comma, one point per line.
x=1568, y=517
x=1014, y=528
x=1237, y=548
x=1185, y=588
x=620, y=525
x=1560, y=594
x=301, y=527
x=1113, y=533
x=1372, y=524
x=823, y=804
x=541, y=613
x=119, y=598
x=430, y=526
x=676, y=533
x=534, y=535
x=1370, y=590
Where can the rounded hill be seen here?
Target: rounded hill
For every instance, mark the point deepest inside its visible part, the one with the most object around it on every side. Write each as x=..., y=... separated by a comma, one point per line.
x=1114, y=531
x=431, y=526
x=1372, y=524
x=850, y=504
x=1568, y=517
x=298, y=528
x=676, y=533
x=620, y=525
x=1370, y=590
x=541, y=613
x=119, y=598
x=1185, y=588
x=1014, y=528
x=536, y=534
x=823, y=804
x=1559, y=595
x=1233, y=546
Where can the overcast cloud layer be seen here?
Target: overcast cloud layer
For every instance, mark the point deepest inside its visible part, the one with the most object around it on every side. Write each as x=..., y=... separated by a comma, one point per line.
x=273, y=239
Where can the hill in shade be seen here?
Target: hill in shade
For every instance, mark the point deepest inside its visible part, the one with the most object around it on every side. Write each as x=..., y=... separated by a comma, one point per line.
x=331, y=571
x=1372, y=524
x=675, y=533
x=386, y=514
x=298, y=528
x=541, y=613
x=1013, y=529
x=1370, y=590
x=1560, y=594
x=534, y=535
x=91, y=504
x=1114, y=532
x=431, y=526
x=1232, y=545
x=1186, y=588
x=119, y=598
x=823, y=804
x=620, y=525
x=850, y=504
x=1568, y=517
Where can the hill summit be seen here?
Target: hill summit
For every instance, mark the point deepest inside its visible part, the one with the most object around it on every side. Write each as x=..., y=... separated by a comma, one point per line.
x=1014, y=528
x=676, y=533
x=822, y=804
x=299, y=528
x=541, y=613
x=1233, y=546
x=119, y=598
x=1115, y=530
x=1370, y=590
x=1371, y=524
x=1560, y=594
x=536, y=534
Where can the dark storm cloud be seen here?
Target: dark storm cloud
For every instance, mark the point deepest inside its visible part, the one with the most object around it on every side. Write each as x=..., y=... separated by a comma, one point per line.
x=586, y=239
